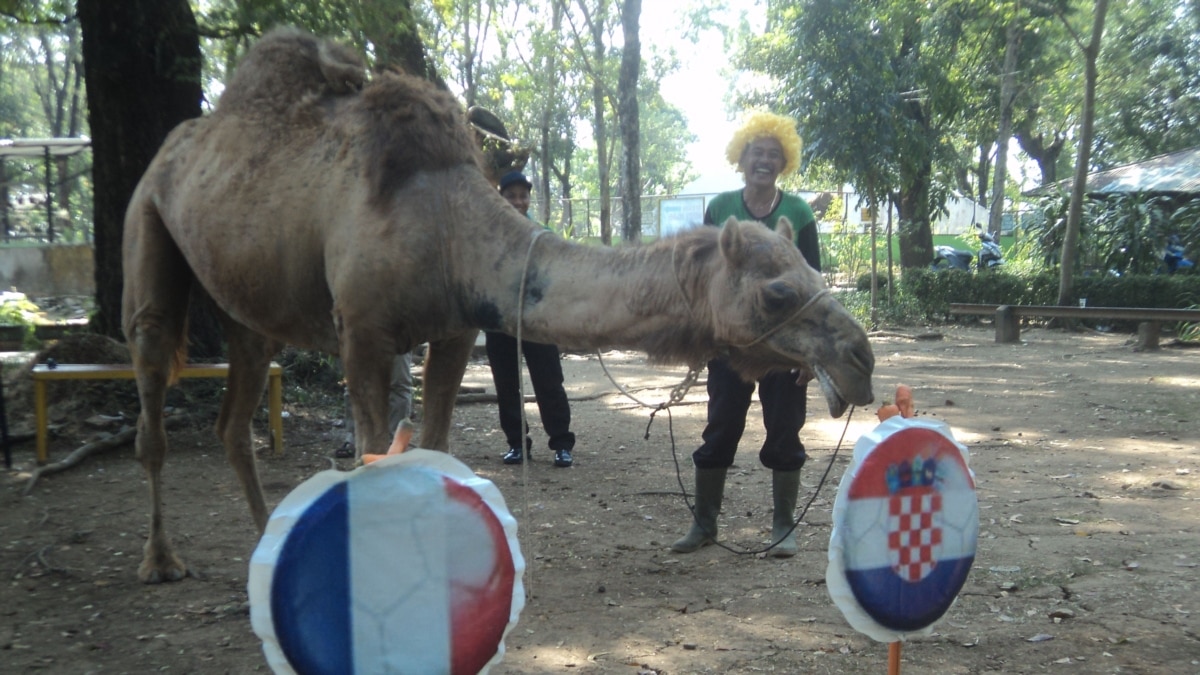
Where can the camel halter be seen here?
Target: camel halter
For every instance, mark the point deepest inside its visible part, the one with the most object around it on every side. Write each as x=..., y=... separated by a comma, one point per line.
x=687, y=302
x=823, y=293
x=521, y=394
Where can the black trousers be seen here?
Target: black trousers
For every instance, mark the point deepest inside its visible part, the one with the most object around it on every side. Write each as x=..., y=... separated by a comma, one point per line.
x=784, y=407
x=545, y=371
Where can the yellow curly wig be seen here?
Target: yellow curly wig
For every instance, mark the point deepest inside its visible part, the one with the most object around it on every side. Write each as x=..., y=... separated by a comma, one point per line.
x=763, y=124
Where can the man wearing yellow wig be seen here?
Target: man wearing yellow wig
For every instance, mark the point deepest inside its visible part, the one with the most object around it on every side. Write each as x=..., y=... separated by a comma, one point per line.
x=765, y=148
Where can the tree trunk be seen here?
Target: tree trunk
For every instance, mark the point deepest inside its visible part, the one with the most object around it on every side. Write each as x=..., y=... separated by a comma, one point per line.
x=1043, y=153
x=550, y=69
x=1066, y=282
x=916, y=236
x=141, y=60
x=5, y=215
x=600, y=133
x=627, y=90
x=916, y=176
x=401, y=45
x=566, y=217
x=981, y=174
x=546, y=166
x=1008, y=89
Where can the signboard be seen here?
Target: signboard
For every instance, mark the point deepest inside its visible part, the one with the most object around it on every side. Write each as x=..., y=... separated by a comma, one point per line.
x=678, y=215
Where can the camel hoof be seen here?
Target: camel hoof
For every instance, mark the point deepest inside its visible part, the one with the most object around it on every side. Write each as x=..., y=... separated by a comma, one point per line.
x=160, y=569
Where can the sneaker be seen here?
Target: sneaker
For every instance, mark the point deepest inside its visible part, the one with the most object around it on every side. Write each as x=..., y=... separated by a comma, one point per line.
x=563, y=458
x=514, y=456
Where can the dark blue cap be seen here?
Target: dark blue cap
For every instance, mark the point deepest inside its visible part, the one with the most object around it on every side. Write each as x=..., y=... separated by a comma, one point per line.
x=512, y=178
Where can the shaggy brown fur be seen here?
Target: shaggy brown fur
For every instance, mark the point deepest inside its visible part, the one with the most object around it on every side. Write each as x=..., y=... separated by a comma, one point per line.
x=288, y=67
x=361, y=224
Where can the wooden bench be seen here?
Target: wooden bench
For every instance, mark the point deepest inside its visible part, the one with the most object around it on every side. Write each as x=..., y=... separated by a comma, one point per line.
x=1008, y=317
x=124, y=371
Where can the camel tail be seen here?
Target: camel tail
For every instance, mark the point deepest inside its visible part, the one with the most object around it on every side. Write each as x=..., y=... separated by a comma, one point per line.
x=178, y=360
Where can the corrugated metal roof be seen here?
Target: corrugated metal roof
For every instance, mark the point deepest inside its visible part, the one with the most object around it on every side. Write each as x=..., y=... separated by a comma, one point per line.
x=1173, y=172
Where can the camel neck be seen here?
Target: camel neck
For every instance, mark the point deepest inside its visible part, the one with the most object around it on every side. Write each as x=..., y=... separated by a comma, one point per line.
x=643, y=296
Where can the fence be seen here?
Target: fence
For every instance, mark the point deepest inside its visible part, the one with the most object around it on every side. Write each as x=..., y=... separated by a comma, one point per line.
x=579, y=218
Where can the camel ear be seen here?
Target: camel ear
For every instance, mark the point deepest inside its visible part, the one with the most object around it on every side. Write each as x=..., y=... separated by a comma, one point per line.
x=784, y=229
x=732, y=241
x=778, y=296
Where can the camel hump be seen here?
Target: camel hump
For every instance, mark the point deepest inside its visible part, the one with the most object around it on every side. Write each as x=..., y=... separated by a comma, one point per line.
x=288, y=66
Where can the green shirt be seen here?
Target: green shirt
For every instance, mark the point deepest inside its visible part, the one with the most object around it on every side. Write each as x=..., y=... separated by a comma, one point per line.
x=798, y=212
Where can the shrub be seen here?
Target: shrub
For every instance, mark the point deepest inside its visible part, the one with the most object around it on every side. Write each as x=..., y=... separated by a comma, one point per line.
x=864, y=282
x=18, y=310
x=934, y=291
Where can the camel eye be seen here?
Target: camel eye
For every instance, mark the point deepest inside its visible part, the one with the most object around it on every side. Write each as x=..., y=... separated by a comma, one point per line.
x=778, y=296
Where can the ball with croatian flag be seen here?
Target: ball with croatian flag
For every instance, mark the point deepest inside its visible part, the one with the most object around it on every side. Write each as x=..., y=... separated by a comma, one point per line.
x=409, y=564
x=905, y=525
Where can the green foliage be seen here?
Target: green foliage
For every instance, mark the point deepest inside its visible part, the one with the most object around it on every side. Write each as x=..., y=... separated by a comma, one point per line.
x=1189, y=332
x=17, y=310
x=902, y=309
x=311, y=377
x=1150, y=109
x=848, y=251
x=1120, y=234
x=864, y=282
x=934, y=291
x=1146, y=290
x=882, y=94
x=1023, y=255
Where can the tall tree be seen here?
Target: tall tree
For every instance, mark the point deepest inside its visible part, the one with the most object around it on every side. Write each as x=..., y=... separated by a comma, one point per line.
x=1091, y=52
x=1046, y=105
x=466, y=25
x=393, y=31
x=880, y=88
x=42, y=64
x=627, y=95
x=141, y=59
x=1152, y=108
x=531, y=82
x=1008, y=86
x=594, y=57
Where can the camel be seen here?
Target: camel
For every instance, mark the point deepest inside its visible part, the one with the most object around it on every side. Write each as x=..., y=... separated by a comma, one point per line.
x=329, y=212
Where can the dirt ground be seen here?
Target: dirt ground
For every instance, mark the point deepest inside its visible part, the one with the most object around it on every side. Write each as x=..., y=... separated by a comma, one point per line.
x=1085, y=453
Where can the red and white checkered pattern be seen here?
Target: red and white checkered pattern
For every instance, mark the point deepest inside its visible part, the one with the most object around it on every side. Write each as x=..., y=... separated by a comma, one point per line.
x=912, y=534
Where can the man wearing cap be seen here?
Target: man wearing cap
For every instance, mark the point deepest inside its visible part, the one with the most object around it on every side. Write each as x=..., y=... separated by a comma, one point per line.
x=764, y=148
x=545, y=370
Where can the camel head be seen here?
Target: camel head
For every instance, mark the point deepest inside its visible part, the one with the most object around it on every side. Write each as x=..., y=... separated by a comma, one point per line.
x=773, y=312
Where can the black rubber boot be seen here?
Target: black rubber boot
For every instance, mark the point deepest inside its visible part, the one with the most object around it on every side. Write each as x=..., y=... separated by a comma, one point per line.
x=785, y=486
x=710, y=488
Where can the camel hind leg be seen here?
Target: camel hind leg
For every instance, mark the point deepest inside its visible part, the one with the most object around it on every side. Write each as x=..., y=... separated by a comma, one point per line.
x=249, y=363
x=154, y=318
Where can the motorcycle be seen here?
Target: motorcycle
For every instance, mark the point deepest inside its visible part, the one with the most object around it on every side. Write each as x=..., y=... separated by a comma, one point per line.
x=1173, y=257
x=950, y=258
x=989, y=250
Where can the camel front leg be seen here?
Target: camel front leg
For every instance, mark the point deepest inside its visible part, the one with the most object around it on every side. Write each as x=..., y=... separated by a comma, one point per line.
x=445, y=363
x=368, y=359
